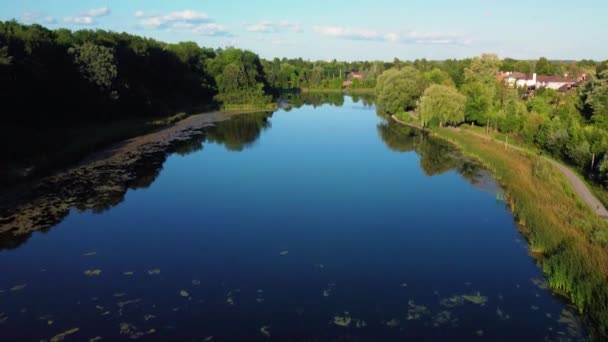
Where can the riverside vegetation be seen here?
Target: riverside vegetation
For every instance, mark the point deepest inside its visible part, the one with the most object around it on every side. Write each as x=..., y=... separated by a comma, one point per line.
x=566, y=237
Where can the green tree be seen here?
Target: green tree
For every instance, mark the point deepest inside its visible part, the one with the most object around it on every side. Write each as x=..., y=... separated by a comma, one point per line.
x=444, y=103
x=398, y=90
x=96, y=63
x=479, y=101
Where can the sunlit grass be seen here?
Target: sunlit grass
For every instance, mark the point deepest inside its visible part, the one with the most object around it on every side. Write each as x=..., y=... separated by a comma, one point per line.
x=568, y=240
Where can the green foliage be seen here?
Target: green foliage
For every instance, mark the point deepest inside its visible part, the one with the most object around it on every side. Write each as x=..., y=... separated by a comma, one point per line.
x=399, y=89
x=479, y=103
x=443, y=103
x=96, y=63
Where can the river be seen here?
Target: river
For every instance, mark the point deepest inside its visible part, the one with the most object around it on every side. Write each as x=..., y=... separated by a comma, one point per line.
x=321, y=221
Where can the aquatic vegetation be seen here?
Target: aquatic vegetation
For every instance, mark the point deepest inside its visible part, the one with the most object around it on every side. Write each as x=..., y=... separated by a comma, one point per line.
x=208, y=338
x=184, y=293
x=327, y=292
x=131, y=331
x=18, y=287
x=452, y=302
x=444, y=317
x=196, y=282
x=149, y=317
x=128, y=273
x=128, y=302
x=120, y=294
x=265, y=330
x=476, y=298
x=154, y=271
x=501, y=315
x=403, y=284
x=284, y=253
x=359, y=323
x=230, y=301
x=3, y=317
x=393, y=323
x=50, y=322
x=478, y=333
x=534, y=307
x=541, y=283
x=88, y=254
x=95, y=339
x=92, y=273
x=63, y=335
x=343, y=321
x=415, y=312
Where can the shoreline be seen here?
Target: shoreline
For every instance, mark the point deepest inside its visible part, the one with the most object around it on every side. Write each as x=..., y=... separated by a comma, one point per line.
x=566, y=238
x=98, y=181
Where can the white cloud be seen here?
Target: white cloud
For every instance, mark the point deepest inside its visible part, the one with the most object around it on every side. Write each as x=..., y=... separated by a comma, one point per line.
x=87, y=17
x=196, y=22
x=172, y=18
x=267, y=26
x=211, y=29
x=37, y=17
x=96, y=12
x=411, y=37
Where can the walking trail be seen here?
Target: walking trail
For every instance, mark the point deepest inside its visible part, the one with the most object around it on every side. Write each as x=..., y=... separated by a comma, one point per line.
x=577, y=184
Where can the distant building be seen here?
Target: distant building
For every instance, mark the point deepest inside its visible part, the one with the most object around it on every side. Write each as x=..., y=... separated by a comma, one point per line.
x=520, y=80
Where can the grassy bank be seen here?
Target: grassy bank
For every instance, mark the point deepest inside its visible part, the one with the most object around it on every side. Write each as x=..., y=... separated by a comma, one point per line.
x=567, y=239
x=249, y=107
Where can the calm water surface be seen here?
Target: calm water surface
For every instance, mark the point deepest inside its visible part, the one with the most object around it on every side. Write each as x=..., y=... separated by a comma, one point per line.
x=316, y=223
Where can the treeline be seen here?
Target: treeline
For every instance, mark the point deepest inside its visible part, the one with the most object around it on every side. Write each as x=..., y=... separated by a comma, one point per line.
x=95, y=75
x=571, y=126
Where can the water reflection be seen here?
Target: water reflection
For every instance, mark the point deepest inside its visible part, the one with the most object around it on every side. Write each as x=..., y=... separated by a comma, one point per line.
x=100, y=187
x=436, y=156
x=240, y=132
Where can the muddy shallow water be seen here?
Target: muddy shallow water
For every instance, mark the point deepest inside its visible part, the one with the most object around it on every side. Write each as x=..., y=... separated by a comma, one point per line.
x=322, y=222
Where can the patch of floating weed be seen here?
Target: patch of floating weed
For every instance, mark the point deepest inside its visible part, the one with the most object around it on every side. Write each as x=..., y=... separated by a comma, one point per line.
x=452, y=302
x=208, y=339
x=415, y=312
x=534, y=307
x=393, y=323
x=120, y=294
x=284, y=253
x=343, y=321
x=359, y=323
x=478, y=333
x=265, y=330
x=92, y=273
x=184, y=294
x=128, y=302
x=476, y=298
x=501, y=315
x=155, y=271
x=61, y=336
x=95, y=339
x=444, y=317
x=18, y=287
x=128, y=273
x=196, y=282
x=149, y=317
x=88, y=254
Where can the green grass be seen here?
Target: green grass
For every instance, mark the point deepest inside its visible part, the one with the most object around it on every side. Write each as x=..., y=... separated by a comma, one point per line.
x=249, y=107
x=566, y=238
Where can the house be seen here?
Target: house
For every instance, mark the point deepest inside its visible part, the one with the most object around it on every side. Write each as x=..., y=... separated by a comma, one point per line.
x=534, y=81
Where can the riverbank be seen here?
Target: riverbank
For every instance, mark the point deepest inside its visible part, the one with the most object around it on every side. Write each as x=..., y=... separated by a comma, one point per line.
x=99, y=181
x=566, y=237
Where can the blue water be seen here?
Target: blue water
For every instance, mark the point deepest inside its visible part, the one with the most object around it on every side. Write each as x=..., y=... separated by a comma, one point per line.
x=280, y=227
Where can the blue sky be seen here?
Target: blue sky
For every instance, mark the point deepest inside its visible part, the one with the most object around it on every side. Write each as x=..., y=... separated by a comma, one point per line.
x=347, y=30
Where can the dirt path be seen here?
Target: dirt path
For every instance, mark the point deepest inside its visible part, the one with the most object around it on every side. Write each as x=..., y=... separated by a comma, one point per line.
x=577, y=184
